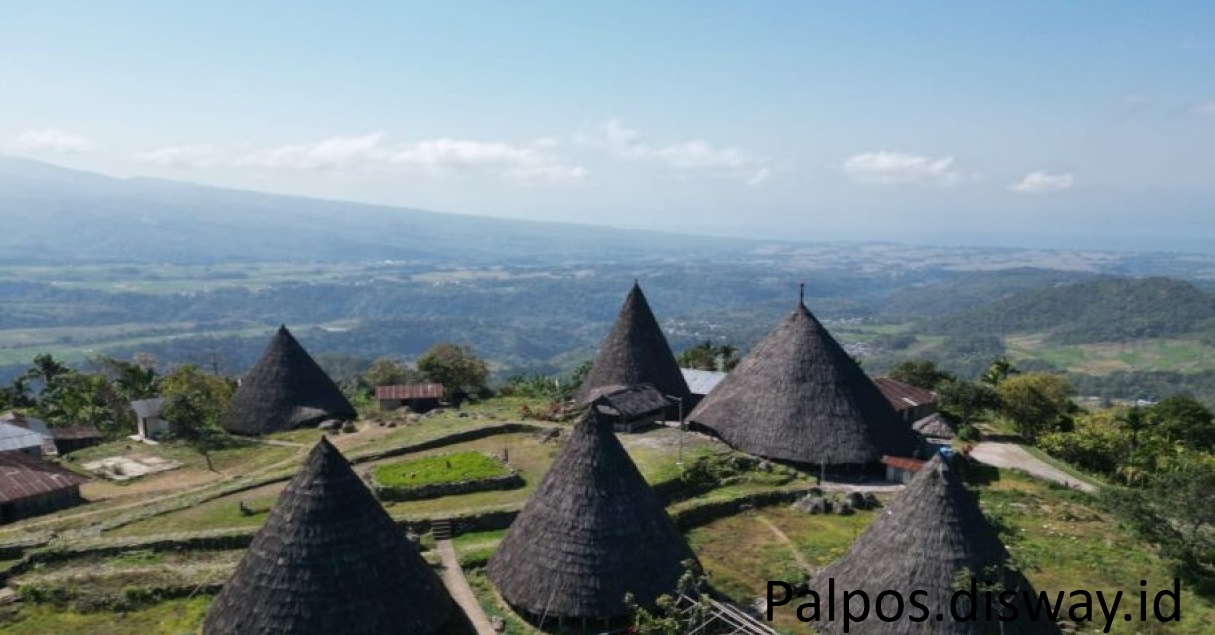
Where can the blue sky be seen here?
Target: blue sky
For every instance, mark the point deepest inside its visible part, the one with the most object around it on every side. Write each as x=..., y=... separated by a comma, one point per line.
x=1086, y=123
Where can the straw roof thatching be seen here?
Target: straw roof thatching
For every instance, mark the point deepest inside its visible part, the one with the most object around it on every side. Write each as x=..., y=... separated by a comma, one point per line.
x=937, y=426
x=933, y=537
x=798, y=396
x=329, y=560
x=630, y=403
x=286, y=389
x=634, y=352
x=592, y=532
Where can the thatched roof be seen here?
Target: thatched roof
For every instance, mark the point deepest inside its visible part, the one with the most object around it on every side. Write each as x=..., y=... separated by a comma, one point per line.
x=329, y=560
x=929, y=538
x=286, y=389
x=592, y=532
x=634, y=352
x=631, y=403
x=937, y=426
x=798, y=396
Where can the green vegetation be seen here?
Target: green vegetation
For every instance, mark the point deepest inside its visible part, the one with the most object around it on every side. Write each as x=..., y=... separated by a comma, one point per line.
x=1103, y=310
x=443, y=468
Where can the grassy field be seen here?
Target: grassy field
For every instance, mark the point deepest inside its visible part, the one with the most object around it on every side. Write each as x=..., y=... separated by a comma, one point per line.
x=1181, y=355
x=1063, y=538
x=443, y=468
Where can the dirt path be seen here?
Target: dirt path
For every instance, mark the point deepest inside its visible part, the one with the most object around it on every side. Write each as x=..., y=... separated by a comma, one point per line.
x=783, y=537
x=457, y=585
x=1011, y=455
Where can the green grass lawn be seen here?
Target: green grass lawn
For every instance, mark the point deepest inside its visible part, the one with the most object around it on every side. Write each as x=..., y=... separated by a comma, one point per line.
x=443, y=468
x=172, y=617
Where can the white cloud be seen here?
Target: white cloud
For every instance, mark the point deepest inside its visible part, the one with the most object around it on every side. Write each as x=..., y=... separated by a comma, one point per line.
x=334, y=153
x=1040, y=182
x=51, y=141
x=528, y=163
x=614, y=137
x=1206, y=108
x=183, y=157
x=900, y=168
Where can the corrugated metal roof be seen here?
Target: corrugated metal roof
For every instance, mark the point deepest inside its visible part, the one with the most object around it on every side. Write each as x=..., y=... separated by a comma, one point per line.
x=29, y=423
x=17, y=438
x=700, y=382
x=410, y=391
x=903, y=396
x=148, y=408
x=23, y=476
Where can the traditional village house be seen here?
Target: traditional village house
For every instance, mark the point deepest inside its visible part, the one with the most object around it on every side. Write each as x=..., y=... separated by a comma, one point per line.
x=285, y=389
x=592, y=532
x=799, y=397
x=330, y=560
x=931, y=538
x=635, y=353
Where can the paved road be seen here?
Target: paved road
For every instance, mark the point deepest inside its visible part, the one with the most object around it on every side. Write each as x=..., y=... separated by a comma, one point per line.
x=1012, y=455
x=457, y=585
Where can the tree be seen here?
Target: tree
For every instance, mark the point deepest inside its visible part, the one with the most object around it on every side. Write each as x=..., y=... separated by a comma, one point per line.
x=707, y=356
x=1000, y=369
x=388, y=371
x=923, y=373
x=1098, y=442
x=1185, y=419
x=456, y=367
x=966, y=399
x=1037, y=403
x=194, y=403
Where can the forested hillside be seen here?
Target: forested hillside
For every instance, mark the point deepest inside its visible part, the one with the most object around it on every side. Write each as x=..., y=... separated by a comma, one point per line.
x=1103, y=310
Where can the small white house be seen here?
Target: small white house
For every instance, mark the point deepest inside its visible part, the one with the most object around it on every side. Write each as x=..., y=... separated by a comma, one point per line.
x=149, y=423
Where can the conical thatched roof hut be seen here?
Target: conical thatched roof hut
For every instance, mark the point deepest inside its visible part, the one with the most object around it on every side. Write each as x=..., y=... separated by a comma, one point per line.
x=799, y=397
x=330, y=560
x=593, y=531
x=933, y=537
x=286, y=389
x=635, y=352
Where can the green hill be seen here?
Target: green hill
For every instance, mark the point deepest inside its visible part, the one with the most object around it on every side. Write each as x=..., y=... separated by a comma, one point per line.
x=1103, y=310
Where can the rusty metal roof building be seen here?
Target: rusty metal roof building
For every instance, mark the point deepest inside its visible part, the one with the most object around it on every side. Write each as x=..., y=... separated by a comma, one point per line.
x=903, y=396
x=410, y=391
x=23, y=476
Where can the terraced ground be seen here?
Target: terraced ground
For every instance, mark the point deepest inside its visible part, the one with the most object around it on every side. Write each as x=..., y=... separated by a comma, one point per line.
x=145, y=556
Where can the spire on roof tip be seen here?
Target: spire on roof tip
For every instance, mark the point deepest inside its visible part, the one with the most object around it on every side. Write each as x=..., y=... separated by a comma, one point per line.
x=801, y=293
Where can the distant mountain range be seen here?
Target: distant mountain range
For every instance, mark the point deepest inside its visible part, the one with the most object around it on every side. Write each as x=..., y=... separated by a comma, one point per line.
x=55, y=215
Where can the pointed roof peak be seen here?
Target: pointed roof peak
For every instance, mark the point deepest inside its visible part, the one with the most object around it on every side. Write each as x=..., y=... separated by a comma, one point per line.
x=592, y=531
x=329, y=559
x=930, y=533
x=285, y=389
x=635, y=352
x=799, y=396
